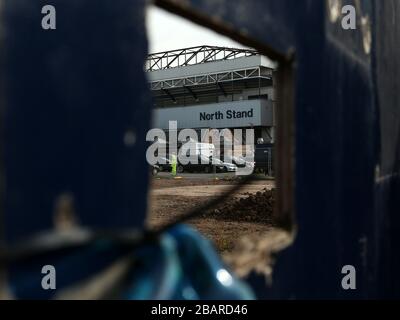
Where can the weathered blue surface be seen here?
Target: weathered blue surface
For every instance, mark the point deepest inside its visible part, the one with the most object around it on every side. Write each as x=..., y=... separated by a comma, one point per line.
x=65, y=133
x=347, y=144
x=72, y=94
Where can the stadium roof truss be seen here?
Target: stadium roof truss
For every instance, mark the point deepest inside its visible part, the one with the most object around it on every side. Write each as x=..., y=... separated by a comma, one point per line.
x=211, y=78
x=192, y=56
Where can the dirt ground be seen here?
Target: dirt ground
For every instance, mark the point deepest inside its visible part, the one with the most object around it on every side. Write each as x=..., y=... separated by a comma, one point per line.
x=248, y=212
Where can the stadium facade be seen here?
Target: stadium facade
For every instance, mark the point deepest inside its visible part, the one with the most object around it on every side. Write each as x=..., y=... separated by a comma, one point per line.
x=209, y=87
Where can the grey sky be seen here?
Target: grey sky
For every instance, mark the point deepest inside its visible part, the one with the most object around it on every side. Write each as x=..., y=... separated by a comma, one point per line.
x=167, y=31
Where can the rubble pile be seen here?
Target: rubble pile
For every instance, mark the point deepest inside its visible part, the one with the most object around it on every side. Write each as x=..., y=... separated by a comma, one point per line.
x=256, y=207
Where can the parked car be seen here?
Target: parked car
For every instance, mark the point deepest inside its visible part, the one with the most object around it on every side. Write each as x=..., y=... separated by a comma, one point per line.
x=204, y=164
x=239, y=162
x=224, y=166
x=154, y=169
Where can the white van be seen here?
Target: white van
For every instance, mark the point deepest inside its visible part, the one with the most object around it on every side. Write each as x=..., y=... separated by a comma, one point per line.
x=202, y=149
